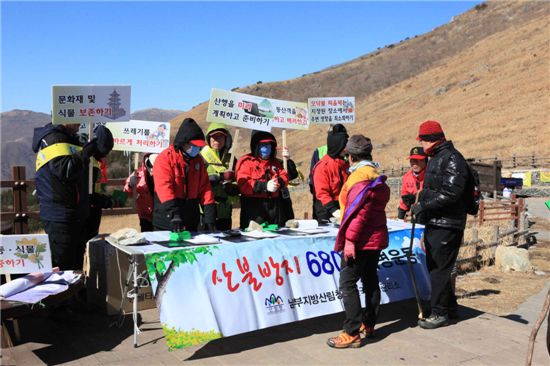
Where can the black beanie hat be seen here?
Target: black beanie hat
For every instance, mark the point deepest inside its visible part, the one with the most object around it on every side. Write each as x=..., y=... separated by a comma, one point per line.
x=336, y=140
x=189, y=130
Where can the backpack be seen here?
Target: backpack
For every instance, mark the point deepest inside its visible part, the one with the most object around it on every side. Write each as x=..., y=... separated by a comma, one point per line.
x=473, y=191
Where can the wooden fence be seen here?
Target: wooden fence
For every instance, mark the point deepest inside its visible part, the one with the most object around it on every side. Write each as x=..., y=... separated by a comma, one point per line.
x=501, y=210
x=20, y=215
x=512, y=162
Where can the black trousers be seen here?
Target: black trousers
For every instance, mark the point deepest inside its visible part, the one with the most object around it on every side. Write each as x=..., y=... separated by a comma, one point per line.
x=67, y=243
x=145, y=225
x=442, y=245
x=364, y=267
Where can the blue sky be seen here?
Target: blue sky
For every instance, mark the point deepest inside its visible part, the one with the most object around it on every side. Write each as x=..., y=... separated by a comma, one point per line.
x=173, y=53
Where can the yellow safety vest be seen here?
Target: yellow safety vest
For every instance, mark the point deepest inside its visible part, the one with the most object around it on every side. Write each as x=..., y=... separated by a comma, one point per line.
x=53, y=151
x=213, y=160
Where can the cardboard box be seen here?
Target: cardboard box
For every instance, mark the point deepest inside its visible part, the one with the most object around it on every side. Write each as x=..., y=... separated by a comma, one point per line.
x=106, y=273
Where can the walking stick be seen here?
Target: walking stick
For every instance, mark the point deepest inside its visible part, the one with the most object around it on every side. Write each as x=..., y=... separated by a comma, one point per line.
x=411, y=270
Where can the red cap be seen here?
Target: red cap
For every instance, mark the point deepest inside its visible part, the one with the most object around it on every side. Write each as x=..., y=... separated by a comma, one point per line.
x=199, y=143
x=430, y=131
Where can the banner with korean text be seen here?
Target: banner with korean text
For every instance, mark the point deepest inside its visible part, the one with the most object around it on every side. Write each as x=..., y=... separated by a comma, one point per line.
x=331, y=110
x=140, y=136
x=25, y=253
x=90, y=103
x=257, y=113
x=270, y=282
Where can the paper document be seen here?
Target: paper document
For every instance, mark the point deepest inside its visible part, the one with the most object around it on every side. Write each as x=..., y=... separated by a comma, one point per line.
x=203, y=239
x=310, y=231
x=260, y=234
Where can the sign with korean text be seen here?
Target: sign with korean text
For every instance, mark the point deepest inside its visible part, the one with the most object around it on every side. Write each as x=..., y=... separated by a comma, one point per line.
x=140, y=136
x=257, y=113
x=331, y=110
x=90, y=103
x=25, y=254
x=271, y=282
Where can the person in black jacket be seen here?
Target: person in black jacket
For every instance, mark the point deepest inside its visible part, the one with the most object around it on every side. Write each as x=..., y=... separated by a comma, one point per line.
x=62, y=187
x=442, y=208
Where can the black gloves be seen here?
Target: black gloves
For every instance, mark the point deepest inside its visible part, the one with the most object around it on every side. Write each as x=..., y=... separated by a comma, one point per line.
x=260, y=186
x=332, y=206
x=417, y=212
x=231, y=189
x=408, y=199
x=89, y=149
x=101, y=201
x=176, y=224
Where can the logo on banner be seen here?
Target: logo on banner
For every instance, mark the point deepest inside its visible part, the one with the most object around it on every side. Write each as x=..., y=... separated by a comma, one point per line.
x=274, y=303
x=114, y=102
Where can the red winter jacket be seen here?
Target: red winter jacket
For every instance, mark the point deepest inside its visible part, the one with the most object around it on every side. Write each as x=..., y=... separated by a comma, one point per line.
x=144, y=198
x=410, y=184
x=364, y=217
x=329, y=176
x=253, y=172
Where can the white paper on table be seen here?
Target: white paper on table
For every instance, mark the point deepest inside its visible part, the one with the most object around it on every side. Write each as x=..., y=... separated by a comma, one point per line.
x=260, y=234
x=307, y=224
x=310, y=231
x=203, y=239
x=53, y=283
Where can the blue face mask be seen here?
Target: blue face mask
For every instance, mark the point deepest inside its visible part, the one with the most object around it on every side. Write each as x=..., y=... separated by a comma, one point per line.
x=193, y=151
x=265, y=151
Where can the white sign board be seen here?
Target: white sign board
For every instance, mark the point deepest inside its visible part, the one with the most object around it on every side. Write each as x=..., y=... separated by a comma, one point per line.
x=90, y=103
x=258, y=113
x=331, y=110
x=140, y=136
x=25, y=254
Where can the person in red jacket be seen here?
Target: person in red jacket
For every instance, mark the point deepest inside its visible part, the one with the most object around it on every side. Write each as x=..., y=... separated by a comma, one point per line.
x=362, y=235
x=329, y=175
x=141, y=181
x=411, y=182
x=181, y=183
x=260, y=178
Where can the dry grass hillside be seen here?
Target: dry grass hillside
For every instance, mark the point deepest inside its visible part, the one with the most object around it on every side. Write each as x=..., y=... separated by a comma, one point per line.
x=485, y=76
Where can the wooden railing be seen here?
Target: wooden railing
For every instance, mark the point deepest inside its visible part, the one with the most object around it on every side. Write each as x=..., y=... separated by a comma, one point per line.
x=20, y=215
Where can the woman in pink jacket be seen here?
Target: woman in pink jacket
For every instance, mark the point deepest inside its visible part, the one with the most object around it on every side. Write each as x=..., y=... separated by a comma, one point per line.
x=141, y=181
x=363, y=234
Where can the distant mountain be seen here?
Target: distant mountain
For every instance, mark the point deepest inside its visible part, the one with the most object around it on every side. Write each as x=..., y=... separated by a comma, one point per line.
x=17, y=126
x=484, y=75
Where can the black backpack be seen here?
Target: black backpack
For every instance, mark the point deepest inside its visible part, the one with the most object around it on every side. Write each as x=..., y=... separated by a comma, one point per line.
x=473, y=192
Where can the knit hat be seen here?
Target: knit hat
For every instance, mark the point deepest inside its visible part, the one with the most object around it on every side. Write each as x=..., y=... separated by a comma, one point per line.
x=189, y=132
x=430, y=131
x=336, y=140
x=417, y=153
x=359, y=145
x=104, y=140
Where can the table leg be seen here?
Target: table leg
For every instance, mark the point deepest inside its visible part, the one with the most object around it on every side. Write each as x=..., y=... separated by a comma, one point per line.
x=135, y=304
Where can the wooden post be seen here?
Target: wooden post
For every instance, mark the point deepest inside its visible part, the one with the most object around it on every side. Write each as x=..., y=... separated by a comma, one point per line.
x=91, y=166
x=136, y=161
x=285, y=163
x=519, y=212
x=20, y=221
x=481, y=212
x=233, y=150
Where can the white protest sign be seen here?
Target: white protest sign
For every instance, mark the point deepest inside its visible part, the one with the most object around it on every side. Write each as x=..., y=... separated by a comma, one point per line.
x=258, y=113
x=90, y=103
x=140, y=136
x=25, y=254
x=331, y=110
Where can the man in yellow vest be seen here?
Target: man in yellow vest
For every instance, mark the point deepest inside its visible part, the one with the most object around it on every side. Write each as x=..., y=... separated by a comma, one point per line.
x=222, y=177
x=62, y=166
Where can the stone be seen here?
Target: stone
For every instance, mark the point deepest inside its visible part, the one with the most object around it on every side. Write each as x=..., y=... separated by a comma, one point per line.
x=512, y=259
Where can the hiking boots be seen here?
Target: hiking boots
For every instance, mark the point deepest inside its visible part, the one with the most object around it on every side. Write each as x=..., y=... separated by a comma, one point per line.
x=344, y=340
x=367, y=332
x=434, y=321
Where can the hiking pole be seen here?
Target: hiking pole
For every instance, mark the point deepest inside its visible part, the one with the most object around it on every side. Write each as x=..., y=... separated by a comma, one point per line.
x=411, y=270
